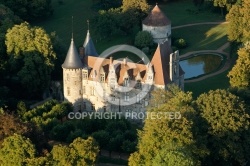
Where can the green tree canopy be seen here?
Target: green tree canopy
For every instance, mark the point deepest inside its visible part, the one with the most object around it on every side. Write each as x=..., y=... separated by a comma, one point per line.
x=173, y=127
x=79, y=153
x=31, y=56
x=16, y=150
x=240, y=74
x=238, y=18
x=143, y=39
x=30, y=10
x=140, y=5
x=226, y=127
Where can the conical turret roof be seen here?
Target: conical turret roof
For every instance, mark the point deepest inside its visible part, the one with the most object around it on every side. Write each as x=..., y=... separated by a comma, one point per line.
x=156, y=18
x=72, y=60
x=89, y=47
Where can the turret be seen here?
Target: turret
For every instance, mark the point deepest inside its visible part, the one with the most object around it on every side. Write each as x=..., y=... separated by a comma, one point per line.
x=158, y=25
x=72, y=77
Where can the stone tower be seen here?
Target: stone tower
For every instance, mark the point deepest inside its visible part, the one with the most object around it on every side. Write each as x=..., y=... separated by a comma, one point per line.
x=72, y=77
x=158, y=25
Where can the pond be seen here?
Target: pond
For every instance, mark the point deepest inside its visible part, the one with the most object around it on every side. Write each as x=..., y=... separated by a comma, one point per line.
x=201, y=64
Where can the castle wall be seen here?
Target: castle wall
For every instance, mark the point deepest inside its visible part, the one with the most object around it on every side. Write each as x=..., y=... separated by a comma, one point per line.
x=72, y=87
x=160, y=33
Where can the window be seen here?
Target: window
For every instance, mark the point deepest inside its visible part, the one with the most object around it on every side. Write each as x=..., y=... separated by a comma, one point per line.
x=126, y=82
x=102, y=79
x=112, y=82
x=93, y=107
x=68, y=91
x=84, y=107
x=126, y=97
x=84, y=89
x=138, y=98
x=150, y=77
x=138, y=84
x=80, y=92
x=92, y=91
x=85, y=75
x=112, y=98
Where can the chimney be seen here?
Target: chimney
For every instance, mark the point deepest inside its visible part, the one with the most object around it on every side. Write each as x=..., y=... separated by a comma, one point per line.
x=110, y=60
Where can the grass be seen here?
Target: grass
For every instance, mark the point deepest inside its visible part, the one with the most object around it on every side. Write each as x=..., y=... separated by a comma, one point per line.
x=61, y=20
x=202, y=37
x=184, y=12
x=219, y=81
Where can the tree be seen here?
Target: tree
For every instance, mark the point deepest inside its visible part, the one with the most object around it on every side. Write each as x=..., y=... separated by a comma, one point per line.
x=138, y=5
x=102, y=137
x=172, y=155
x=143, y=39
x=16, y=150
x=31, y=56
x=11, y=125
x=161, y=129
x=238, y=16
x=240, y=74
x=226, y=125
x=30, y=10
x=79, y=153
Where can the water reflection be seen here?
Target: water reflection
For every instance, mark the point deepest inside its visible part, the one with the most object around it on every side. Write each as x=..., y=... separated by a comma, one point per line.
x=200, y=64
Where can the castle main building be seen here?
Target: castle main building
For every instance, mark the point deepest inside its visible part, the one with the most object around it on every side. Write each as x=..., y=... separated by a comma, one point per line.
x=94, y=83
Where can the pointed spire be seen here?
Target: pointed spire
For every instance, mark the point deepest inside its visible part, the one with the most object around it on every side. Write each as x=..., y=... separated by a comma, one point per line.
x=88, y=24
x=72, y=60
x=72, y=27
x=156, y=18
x=89, y=45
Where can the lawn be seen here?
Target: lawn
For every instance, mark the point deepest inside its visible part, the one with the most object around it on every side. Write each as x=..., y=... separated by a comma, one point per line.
x=219, y=81
x=61, y=20
x=202, y=37
x=184, y=12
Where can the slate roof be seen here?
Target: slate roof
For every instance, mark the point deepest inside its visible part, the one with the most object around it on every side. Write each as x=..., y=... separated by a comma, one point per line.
x=89, y=47
x=72, y=60
x=156, y=18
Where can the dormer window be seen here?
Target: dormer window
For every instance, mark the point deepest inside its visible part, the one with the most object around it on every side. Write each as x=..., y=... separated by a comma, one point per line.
x=102, y=77
x=150, y=77
x=85, y=75
x=126, y=82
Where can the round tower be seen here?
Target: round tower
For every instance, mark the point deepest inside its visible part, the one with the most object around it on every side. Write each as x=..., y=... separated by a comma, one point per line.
x=72, y=77
x=158, y=25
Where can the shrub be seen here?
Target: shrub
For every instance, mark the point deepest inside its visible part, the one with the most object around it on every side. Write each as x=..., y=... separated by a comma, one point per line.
x=143, y=39
x=180, y=43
